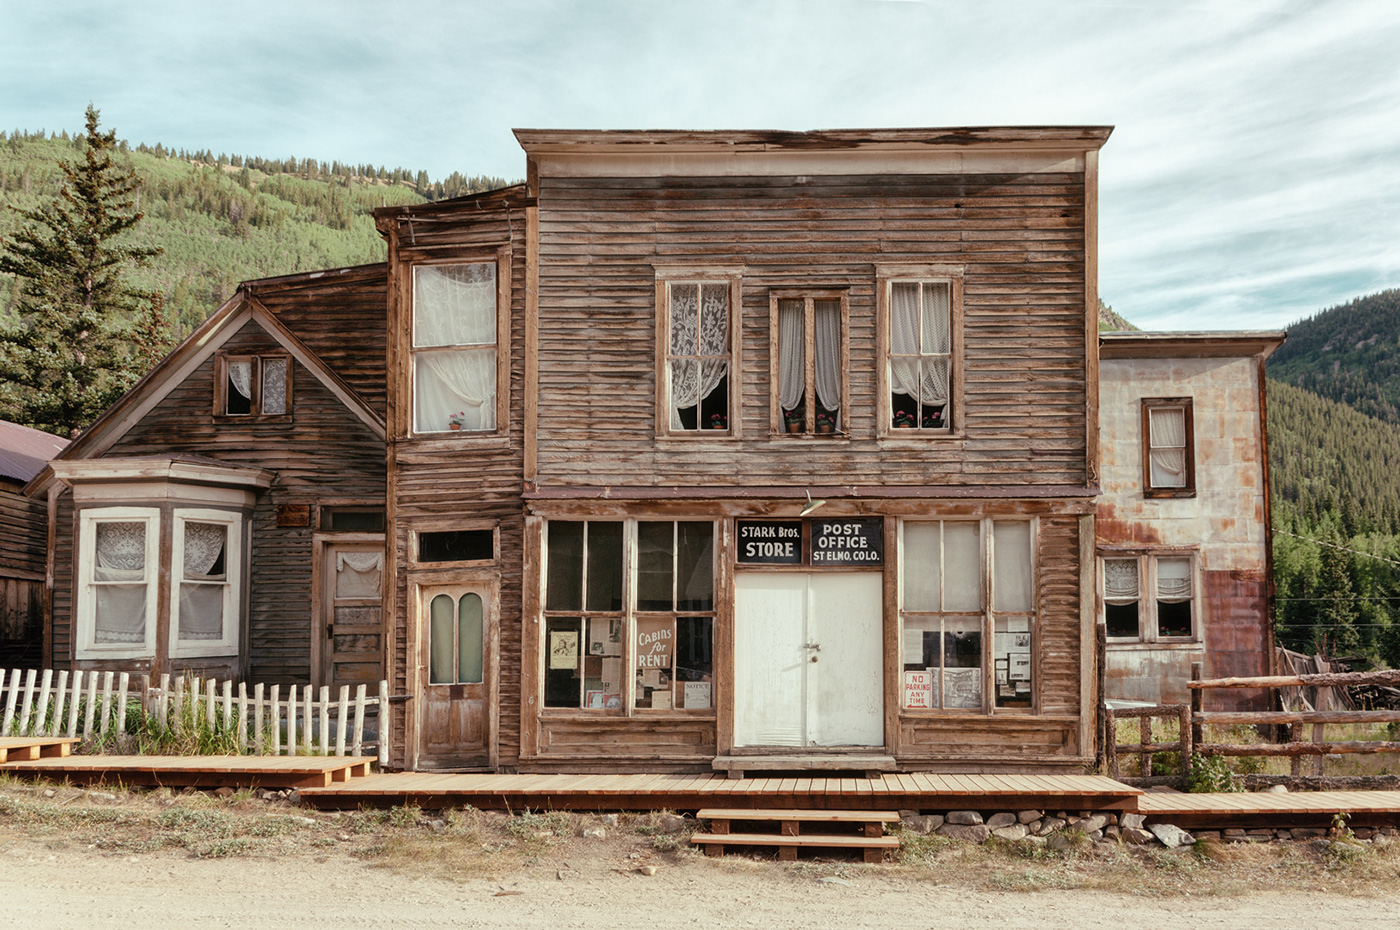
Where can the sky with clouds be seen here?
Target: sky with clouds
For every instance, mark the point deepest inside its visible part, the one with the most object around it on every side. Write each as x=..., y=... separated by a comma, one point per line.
x=1253, y=176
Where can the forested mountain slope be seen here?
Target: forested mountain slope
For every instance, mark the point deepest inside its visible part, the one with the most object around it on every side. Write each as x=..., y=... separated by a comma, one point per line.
x=224, y=219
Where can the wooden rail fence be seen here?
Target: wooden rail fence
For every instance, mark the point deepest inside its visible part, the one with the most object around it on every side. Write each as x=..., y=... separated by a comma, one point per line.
x=220, y=717
x=1193, y=720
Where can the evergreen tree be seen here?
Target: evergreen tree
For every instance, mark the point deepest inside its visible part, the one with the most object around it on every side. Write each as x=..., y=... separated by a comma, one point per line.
x=67, y=358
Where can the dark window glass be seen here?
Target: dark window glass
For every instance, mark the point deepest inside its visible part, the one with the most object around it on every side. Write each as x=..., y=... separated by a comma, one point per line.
x=695, y=559
x=561, y=662
x=457, y=546
x=604, y=566
x=1174, y=619
x=564, y=589
x=654, y=562
x=1121, y=619
x=347, y=520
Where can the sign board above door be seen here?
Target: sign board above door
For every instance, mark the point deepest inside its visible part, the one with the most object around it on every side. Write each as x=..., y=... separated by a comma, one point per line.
x=770, y=542
x=848, y=542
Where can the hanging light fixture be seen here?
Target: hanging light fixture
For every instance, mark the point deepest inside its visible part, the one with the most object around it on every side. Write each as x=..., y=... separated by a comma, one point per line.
x=812, y=505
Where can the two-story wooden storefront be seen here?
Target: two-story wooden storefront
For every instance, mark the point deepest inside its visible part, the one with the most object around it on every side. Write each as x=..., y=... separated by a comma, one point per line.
x=717, y=448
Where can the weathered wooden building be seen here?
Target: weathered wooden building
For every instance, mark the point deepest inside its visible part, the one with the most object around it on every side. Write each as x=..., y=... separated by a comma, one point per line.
x=695, y=450
x=23, y=542
x=1183, y=524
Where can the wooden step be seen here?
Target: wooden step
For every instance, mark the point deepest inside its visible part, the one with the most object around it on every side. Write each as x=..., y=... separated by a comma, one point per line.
x=873, y=846
x=30, y=748
x=871, y=764
x=737, y=813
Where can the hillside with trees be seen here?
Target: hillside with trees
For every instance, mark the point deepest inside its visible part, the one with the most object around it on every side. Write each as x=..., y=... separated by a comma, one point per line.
x=221, y=219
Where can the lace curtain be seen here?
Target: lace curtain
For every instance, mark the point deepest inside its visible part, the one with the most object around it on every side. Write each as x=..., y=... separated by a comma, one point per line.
x=454, y=305
x=120, y=598
x=792, y=354
x=1167, y=441
x=827, y=349
x=1120, y=580
x=202, y=590
x=1173, y=580
x=240, y=377
x=699, y=328
x=920, y=341
x=274, y=386
x=357, y=574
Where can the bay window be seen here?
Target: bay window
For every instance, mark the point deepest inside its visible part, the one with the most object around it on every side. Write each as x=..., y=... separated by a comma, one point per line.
x=118, y=568
x=207, y=564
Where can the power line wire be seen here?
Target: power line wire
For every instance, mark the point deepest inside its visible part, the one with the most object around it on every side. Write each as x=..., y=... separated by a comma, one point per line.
x=1329, y=545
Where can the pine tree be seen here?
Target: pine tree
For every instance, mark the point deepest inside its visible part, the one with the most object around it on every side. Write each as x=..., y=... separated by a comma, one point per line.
x=67, y=359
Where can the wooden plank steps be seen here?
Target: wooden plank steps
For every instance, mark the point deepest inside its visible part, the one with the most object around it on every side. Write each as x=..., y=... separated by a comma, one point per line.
x=790, y=834
x=29, y=748
x=198, y=771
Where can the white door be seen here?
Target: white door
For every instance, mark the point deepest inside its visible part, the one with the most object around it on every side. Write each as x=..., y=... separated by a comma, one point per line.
x=807, y=659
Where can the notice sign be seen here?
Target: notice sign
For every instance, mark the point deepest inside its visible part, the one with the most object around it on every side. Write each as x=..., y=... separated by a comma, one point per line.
x=853, y=541
x=770, y=542
x=918, y=689
x=655, y=639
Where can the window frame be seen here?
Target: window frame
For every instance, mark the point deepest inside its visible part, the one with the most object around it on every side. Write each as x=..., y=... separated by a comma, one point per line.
x=85, y=645
x=885, y=277
x=1149, y=628
x=1167, y=403
x=777, y=425
x=446, y=526
x=629, y=615
x=667, y=277
x=223, y=358
x=501, y=259
x=988, y=614
x=228, y=643
x=426, y=593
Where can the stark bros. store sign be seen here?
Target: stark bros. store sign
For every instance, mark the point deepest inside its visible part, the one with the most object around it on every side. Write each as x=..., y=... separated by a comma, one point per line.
x=851, y=541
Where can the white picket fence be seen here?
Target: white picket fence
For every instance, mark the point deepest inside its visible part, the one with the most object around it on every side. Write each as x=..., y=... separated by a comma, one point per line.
x=45, y=703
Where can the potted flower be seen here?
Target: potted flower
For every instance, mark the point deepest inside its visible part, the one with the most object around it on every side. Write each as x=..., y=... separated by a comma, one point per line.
x=717, y=421
x=456, y=420
x=933, y=419
x=793, y=419
x=904, y=420
x=826, y=422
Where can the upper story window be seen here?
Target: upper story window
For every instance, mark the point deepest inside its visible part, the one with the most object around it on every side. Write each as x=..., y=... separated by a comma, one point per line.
x=253, y=386
x=921, y=319
x=697, y=383
x=1168, y=447
x=809, y=363
x=454, y=348
x=1150, y=597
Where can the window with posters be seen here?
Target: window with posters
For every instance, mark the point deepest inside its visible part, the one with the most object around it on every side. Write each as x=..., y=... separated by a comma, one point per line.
x=967, y=637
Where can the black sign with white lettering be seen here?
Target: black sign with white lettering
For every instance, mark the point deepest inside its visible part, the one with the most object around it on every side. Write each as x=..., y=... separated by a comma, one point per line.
x=770, y=542
x=850, y=541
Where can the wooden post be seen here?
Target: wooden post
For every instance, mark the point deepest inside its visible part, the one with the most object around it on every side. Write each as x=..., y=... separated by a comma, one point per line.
x=1110, y=743
x=28, y=703
x=105, y=722
x=342, y=720
x=91, y=707
x=325, y=720
x=357, y=744
x=1184, y=732
x=258, y=718
x=228, y=705
x=292, y=720
x=10, y=700
x=163, y=707
x=276, y=720
x=1145, y=756
x=383, y=724
x=56, y=725
x=1319, y=736
x=242, y=744
x=123, y=686
x=306, y=718
x=74, y=704
x=1198, y=703
x=209, y=704
x=41, y=714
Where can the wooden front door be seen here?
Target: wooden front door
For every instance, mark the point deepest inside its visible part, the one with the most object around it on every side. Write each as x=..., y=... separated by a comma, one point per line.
x=351, y=607
x=808, y=659
x=455, y=722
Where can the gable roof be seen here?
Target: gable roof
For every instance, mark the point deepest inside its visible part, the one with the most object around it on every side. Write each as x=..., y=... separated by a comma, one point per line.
x=24, y=451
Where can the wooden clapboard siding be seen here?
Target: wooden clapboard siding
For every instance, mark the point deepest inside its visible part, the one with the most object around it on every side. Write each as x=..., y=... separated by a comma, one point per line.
x=625, y=740
x=338, y=315
x=322, y=450
x=457, y=479
x=1059, y=650
x=22, y=523
x=1018, y=238
x=23, y=534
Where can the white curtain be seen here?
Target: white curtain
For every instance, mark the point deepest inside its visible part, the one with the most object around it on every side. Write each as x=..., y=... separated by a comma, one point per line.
x=1011, y=566
x=699, y=327
x=454, y=305
x=202, y=590
x=922, y=571
x=1167, y=441
x=120, y=614
x=274, y=385
x=792, y=361
x=1173, y=580
x=1120, y=580
x=920, y=341
x=357, y=574
x=962, y=566
x=240, y=375
x=828, y=352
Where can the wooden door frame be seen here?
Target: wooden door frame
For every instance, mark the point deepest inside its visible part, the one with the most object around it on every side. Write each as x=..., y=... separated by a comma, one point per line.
x=319, y=580
x=488, y=584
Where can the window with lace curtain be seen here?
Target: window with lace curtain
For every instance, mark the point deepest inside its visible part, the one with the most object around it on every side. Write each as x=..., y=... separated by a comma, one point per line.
x=921, y=317
x=206, y=566
x=696, y=382
x=118, y=571
x=253, y=386
x=809, y=361
x=454, y=348
x=1149, y=597
x=1168, y=447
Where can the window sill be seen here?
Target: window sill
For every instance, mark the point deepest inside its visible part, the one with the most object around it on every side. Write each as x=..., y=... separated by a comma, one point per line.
x=1163, y=494
x=447, y=442
x=1141, y=644
x=581, y=715
x=699, y=435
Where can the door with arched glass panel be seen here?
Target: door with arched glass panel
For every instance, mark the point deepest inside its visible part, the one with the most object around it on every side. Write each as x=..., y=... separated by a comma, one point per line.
x=455, y=719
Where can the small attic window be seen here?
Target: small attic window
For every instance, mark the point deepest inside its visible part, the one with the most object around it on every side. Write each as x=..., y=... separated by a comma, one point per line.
x=253, y=386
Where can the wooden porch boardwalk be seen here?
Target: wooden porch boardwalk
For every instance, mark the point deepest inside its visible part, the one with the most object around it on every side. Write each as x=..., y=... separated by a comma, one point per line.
x=26, y=748
x=916, y=791
x=300, y=772
x=1269, y=809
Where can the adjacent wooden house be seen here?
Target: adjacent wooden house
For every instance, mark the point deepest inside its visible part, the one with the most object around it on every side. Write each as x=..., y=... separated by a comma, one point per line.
x=24, y=539
x=731, y=450
x=1183, y=524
